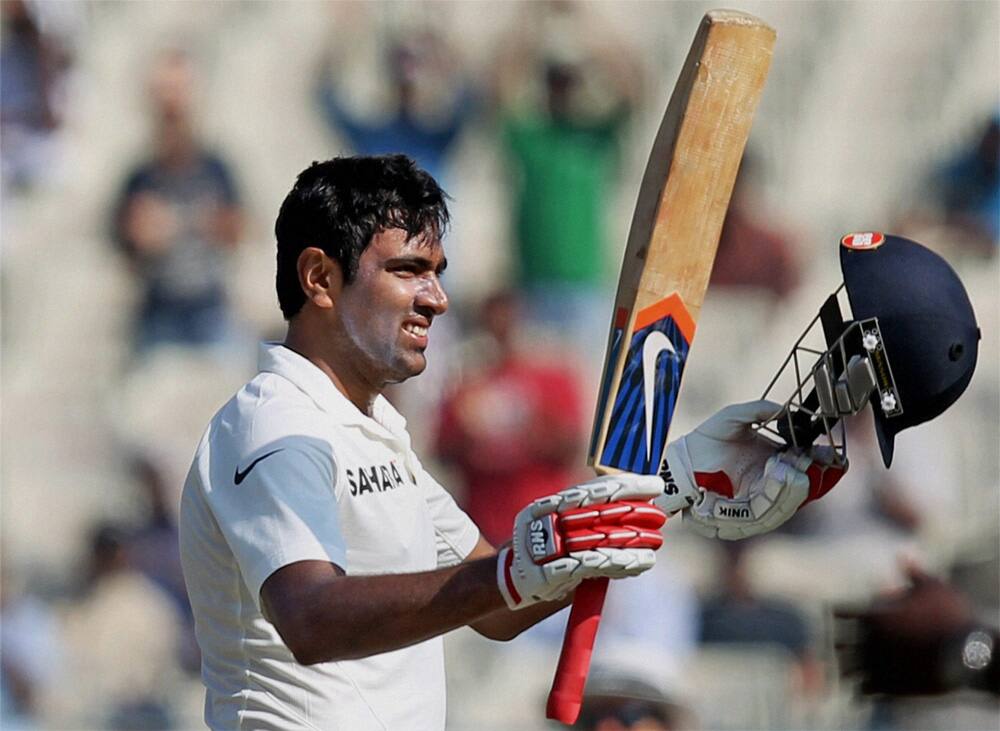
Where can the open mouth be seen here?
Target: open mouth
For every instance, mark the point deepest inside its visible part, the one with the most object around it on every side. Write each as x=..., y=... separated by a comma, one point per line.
x=419, y=331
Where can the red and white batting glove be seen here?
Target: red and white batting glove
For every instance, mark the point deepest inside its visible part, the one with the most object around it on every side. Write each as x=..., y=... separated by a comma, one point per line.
x=738, y=484
x=604, y=527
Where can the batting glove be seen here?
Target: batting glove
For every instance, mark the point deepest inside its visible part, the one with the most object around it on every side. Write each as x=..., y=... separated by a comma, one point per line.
x=604, y=527
x=737, y=484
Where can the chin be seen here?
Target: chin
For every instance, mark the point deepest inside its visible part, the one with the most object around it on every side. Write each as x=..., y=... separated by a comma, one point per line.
x=408, y=368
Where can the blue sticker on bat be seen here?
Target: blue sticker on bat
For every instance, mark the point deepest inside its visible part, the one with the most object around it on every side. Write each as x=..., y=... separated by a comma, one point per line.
x=621, y=320
x=647, y=395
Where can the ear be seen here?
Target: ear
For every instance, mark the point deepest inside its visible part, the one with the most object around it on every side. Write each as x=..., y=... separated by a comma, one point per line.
x=320, y=277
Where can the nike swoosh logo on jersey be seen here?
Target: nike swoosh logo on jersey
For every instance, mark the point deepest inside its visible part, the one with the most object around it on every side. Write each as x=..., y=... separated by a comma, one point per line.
x=654, y=344
x=240, y=476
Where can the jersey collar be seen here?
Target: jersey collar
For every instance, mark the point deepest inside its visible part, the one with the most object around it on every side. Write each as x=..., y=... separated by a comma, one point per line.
x=275, y=358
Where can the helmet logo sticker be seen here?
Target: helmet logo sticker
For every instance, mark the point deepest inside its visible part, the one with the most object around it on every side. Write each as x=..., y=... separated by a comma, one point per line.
x=863, y=241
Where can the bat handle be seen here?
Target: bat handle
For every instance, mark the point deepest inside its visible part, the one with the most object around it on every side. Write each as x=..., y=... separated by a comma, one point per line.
x=566, y=695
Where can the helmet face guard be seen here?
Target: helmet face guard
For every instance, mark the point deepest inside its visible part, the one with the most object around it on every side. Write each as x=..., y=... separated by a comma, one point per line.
x=910, y=349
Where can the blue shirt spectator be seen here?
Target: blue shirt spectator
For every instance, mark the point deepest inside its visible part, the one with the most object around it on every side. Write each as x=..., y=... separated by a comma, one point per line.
x=177, y=217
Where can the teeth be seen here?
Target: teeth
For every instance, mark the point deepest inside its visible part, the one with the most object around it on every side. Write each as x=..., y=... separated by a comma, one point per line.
x=417, y=330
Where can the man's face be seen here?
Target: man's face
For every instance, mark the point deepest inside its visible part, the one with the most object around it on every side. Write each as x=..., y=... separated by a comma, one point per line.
x=387, y=309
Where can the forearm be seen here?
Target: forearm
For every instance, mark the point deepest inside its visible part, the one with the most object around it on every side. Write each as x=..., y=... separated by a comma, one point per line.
x=349, y=617
x=505, y=624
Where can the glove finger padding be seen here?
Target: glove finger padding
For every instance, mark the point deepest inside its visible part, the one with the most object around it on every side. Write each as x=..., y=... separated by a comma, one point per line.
x=605, y=489
x=633, y=513
x=614, y=563
x=620, y=537
x=619, y=525
x=734, y=422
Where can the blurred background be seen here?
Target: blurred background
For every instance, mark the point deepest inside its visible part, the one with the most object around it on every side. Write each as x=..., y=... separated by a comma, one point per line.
x=145, y=150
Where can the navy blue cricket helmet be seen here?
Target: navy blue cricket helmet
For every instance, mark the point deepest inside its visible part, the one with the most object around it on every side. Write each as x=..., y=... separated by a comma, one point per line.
x=927, y=324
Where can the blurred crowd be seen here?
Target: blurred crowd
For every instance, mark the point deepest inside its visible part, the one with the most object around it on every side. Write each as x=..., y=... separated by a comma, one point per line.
x=539, y=136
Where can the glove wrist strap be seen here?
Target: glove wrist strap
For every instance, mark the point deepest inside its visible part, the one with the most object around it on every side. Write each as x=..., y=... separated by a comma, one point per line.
x=505, y=578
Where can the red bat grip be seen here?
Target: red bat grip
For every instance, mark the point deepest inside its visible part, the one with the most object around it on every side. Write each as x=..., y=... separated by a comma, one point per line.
x=566, y=695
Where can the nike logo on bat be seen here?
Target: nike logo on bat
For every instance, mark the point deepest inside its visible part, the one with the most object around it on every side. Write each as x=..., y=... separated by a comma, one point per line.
x=654, y=344
x=240, y=476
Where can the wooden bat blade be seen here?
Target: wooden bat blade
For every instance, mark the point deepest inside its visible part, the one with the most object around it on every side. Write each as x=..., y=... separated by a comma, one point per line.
x=668, y=260
x=673, y=237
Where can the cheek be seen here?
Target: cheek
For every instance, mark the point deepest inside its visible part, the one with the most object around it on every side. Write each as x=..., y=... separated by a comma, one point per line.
x=373, y=313
x=373, y=326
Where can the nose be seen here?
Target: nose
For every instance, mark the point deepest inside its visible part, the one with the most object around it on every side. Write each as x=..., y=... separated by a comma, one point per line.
x=432, y=296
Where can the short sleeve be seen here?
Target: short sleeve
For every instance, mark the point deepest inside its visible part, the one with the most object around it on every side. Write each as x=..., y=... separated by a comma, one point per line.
x=455, y=534
x=282, y=510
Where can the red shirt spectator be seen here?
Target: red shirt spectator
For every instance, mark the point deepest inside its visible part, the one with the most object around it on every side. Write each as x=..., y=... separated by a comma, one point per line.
x=513, y=431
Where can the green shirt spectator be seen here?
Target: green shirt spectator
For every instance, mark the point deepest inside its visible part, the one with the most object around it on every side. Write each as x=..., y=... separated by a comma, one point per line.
x=563, y=178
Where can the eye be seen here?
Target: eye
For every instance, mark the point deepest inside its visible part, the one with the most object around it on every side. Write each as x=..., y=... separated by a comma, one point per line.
x=405, y=270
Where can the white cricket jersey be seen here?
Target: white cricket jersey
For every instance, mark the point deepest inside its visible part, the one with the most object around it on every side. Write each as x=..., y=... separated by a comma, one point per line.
x=290, y=470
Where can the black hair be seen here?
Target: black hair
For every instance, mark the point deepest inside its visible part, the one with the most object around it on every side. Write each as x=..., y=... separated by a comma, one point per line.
x=339, y=205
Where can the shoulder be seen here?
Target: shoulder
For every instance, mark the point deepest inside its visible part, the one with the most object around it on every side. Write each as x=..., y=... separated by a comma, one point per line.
x=213, y=162
x=267, y=431
x=267, y=410
x=213, y=167
x=140, y=176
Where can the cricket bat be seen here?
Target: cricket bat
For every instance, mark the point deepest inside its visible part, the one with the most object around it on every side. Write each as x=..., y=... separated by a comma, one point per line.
x=668, y=259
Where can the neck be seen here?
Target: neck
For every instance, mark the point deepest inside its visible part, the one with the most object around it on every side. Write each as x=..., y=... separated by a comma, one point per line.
x=176, y=145
x=353, y=385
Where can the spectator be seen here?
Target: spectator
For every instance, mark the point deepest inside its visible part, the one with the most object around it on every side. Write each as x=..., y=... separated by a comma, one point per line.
x=736, y=615
x=620, y=699
x=922, y=640
x=122, y=635
x=958, y=203
x=30, y=652
x=561, y=145
x=177, y=219
x=968, y=189
x=426, y=100
x=153, y=549
x=428, y=103
x=33, y=66
x=511, y=430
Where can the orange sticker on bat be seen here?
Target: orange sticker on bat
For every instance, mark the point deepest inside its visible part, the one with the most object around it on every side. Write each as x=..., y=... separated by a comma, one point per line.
x=647, y=392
